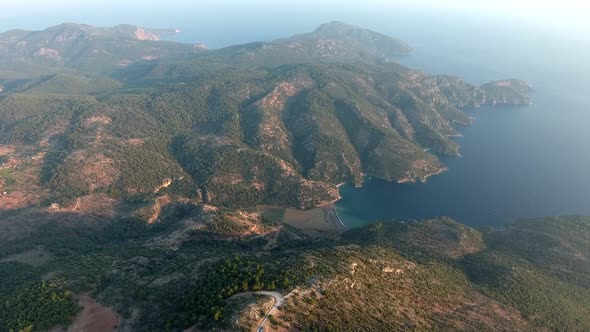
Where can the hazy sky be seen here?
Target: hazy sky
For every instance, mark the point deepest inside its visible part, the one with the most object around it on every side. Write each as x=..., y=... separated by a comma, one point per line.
x=564, y=11
x=288, y=15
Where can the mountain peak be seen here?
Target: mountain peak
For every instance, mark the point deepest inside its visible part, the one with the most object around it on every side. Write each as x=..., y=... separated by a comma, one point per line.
x=365, y=38
x=335, y=27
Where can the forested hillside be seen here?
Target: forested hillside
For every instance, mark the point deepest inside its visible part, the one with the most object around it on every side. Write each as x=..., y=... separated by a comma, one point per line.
x=240, y=136
x=156, y=178
x=427, y=275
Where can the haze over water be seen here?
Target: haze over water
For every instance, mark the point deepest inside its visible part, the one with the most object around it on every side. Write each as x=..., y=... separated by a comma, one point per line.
x=517, y=161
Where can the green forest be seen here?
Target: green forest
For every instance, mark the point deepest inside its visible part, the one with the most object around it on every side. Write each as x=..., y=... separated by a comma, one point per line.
x=449, y=265
x=124, y=173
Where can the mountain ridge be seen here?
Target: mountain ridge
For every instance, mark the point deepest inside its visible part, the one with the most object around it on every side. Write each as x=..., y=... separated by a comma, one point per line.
x=279, y=122
x=85, y=48
x=172, y=192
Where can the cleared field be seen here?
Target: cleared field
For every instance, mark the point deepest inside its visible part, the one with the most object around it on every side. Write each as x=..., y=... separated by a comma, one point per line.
x=6, y=149
x=321, y=219
x=94, y=317
x=312, y=219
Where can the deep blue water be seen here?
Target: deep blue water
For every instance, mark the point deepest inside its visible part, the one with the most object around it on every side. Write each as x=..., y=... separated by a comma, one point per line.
x=517, y=162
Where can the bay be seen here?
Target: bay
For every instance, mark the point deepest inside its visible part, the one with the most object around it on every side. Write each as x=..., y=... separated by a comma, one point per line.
x=518, y=162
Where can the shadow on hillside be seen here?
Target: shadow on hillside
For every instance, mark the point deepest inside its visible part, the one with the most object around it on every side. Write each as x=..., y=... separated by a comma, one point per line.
x=70, y=232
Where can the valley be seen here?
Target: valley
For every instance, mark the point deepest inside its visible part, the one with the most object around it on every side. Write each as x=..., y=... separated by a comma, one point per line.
x=162, y=186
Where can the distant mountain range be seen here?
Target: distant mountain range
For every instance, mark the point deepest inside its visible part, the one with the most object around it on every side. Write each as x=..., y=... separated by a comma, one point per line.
x=84, y=48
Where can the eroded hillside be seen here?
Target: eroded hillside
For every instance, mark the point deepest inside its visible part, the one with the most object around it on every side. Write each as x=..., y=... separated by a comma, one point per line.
x=285, y=136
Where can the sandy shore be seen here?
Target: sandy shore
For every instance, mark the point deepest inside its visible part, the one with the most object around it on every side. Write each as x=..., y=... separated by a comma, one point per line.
x=333, y=218
x=319, y=219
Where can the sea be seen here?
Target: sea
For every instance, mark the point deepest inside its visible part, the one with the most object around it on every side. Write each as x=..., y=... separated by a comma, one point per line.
x=517, y=162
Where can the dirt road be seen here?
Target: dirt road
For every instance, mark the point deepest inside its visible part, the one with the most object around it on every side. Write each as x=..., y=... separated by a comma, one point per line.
x=279, y=301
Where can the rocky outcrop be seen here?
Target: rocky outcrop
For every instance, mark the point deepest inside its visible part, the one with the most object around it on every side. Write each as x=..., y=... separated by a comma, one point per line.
x=143, y=34
x=506, y=92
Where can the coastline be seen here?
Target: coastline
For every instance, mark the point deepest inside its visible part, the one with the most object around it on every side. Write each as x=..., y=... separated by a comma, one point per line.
x=442, y=170
x=333, y=218
x=331, y=213
x=321, y=219
x=412, y=178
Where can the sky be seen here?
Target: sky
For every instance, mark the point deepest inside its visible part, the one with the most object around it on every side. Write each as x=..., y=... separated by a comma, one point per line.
x=231, y=16
x=564, y=11
x=558, y=12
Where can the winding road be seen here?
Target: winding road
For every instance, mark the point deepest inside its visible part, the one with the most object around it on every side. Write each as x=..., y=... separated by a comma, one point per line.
x=279, y=301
